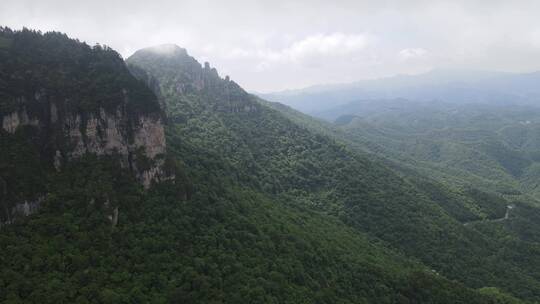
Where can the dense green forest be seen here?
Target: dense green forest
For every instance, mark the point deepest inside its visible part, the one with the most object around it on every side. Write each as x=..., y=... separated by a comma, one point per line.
x=224, y=244
x=438, y=148
x=306, y=166
x=268, y=206
x=85, y=77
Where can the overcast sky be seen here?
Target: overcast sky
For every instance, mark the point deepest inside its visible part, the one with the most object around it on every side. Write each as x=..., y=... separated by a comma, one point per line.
x=282, y=44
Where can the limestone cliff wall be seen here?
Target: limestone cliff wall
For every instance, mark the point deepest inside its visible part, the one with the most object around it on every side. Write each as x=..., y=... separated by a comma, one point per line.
x=101, y=133
x=136, y=139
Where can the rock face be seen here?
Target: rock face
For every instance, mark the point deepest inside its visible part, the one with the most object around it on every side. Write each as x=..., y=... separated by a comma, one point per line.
x=25, y=208
x=135, y=141
x=101, y=134
x=12, y=121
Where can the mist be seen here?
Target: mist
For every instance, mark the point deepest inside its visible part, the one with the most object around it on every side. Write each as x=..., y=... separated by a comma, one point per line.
x=277, y=45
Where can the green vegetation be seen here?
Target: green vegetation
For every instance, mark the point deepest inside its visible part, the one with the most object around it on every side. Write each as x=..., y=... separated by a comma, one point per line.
x=37, y=68
x=224, y=245
x=268, y=206
x=489, y=146
x=50, y=80
x=298, y=160
x=23, y=175
x=473, y=160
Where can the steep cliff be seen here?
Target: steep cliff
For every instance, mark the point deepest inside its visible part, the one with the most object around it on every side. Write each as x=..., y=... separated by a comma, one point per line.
x=61, y=99
x=135, y=141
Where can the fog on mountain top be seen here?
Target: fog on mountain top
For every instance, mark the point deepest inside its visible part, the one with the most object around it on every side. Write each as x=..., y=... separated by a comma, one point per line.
x=276, y=45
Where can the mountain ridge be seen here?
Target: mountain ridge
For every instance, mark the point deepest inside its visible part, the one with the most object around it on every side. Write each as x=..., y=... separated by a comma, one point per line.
x=451, y=86
x=307, y=167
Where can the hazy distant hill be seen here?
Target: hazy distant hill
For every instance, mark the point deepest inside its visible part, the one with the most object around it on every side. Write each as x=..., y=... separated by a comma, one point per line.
x=497, y=144
x=453, y=86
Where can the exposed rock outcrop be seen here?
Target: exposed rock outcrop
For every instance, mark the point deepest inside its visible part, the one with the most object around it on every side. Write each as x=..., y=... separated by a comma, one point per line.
x=12, y=121
x=101, y=134
x=26, y=208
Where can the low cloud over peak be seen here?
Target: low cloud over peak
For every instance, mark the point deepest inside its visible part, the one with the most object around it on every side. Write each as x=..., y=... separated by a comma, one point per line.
x=275, y=45
x=412, y=53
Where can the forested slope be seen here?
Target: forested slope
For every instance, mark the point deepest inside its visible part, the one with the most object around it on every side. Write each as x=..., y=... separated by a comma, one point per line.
x=268, y=152
x=245, y=219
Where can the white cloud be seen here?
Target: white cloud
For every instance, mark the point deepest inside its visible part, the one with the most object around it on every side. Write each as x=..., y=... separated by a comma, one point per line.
x=407, y=54
x=535, y=38
x=311, y=50
x=307, y=50
x=325, y=45
x=268, y=45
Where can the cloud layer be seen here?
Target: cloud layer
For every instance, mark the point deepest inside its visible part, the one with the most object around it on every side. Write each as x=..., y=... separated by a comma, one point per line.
x=279, y=44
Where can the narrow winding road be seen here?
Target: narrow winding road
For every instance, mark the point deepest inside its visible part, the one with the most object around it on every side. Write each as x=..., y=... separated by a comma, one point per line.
x=504, y=218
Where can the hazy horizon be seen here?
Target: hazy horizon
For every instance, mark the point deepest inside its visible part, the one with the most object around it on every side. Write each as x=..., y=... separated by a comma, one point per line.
x=269, y=46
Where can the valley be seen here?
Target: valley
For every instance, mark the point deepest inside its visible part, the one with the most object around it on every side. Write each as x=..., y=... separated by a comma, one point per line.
x=159, y=180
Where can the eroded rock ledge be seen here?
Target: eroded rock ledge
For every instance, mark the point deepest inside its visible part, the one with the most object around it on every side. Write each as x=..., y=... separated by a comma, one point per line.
x=137, y=140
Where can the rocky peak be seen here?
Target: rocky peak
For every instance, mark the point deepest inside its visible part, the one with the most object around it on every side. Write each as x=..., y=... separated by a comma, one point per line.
x=171, y=65
x=182, y=75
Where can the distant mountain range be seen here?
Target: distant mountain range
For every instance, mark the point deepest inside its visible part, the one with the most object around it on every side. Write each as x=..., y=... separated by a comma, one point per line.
x=451, y=86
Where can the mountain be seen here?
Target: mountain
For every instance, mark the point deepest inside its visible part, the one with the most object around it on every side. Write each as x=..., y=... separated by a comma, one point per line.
x=457, y=148
x=272, y=153
x=61, y=100
x=489, y=146
x=462, y=196
x=266, y=205
x=450, y=86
